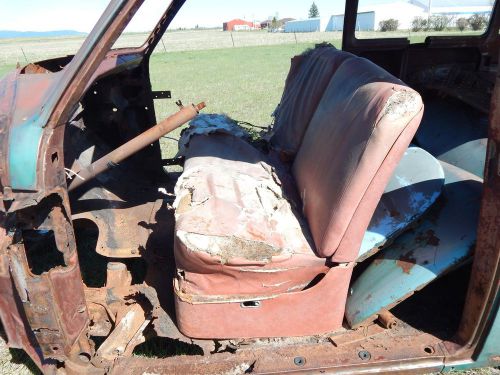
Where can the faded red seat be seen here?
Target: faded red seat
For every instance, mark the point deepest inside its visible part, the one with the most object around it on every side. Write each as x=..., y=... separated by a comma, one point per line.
x=256, y=260
x=306, y=82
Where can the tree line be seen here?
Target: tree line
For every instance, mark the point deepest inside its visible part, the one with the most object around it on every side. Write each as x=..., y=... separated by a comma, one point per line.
x=438, y=23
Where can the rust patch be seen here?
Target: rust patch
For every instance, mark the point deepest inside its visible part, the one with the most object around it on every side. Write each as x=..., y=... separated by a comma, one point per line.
x=406, y=262
x=34, y=69
x=394, y=213
x=377, y=261
x=428, y=238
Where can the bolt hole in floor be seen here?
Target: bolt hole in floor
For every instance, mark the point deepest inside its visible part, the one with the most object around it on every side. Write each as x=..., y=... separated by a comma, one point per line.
x=429, y=350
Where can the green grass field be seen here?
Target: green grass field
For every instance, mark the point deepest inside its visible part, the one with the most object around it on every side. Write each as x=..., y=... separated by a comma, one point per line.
x=226, y=80
x=244, y=81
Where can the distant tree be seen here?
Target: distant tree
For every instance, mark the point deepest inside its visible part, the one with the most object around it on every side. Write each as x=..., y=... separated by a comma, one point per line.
x=478, y=21
x=389, y=25
x=313, y=11
x=419, y=24
x=439, y=23
x=462, y=24
x=274, y=24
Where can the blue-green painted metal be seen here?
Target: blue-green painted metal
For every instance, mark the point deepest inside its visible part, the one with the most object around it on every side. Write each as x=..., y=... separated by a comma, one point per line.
x=413, y=188
x=24, y=141
x=489, y=354
x=25, y=134
x=469, y=156
x=443, y=240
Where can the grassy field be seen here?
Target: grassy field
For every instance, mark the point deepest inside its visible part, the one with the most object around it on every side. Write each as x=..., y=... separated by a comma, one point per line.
x=242, y=76
x=25, y=50
x=225, y=80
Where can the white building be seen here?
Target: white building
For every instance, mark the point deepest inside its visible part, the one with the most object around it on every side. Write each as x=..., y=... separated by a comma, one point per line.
x=369, y=17
x=455, y=8
x=305, y=26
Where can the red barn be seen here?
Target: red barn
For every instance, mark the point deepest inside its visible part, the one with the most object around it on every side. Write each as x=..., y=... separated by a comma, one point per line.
x=239, y=24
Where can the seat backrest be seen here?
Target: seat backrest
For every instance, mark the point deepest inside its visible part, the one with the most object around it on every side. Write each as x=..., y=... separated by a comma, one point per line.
x=363, y=124
x=306, y=82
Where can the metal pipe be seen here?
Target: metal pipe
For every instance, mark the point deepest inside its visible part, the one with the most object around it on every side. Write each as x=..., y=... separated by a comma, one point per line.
x=129, y=148
x=386, y=319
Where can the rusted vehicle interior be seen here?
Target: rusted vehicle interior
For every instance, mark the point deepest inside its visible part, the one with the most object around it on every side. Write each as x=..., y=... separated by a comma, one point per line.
x=360, y=233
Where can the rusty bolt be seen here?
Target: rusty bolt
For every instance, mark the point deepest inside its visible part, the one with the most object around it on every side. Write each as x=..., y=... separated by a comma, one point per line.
x=84, y=357
x=364, y=355
x=299, y=361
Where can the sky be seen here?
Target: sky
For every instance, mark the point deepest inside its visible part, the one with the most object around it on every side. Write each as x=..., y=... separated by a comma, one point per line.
x=48, y=15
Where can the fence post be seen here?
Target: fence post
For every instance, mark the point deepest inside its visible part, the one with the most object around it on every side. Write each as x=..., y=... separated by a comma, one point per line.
x=232, y=38
x=163, y=44
x=24, y=55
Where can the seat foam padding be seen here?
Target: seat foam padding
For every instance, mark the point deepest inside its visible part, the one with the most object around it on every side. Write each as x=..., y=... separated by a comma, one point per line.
x=442, y=241
x=236, y=232
x=307, y=80
x=359, y=132
x=412, y=189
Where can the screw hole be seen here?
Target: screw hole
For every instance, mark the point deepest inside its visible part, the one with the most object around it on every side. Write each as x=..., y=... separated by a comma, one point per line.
x=247, y=304
x=299, y=361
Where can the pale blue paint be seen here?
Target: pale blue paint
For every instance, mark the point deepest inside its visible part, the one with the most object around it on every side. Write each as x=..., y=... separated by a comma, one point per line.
x=444, y=239
x=413, y=188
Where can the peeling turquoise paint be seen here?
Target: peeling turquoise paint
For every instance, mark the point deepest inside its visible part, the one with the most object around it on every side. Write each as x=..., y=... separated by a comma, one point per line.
x=413, y=188
x=444, y=239
x=24, y=141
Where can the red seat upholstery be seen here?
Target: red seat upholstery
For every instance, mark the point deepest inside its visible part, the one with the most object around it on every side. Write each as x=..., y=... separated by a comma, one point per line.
x=234, y=223
x=361, y=128
x=309, y=76
x=249, y=263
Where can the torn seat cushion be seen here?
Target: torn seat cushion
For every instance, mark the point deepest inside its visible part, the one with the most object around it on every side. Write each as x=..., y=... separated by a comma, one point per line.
x=236, y=231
